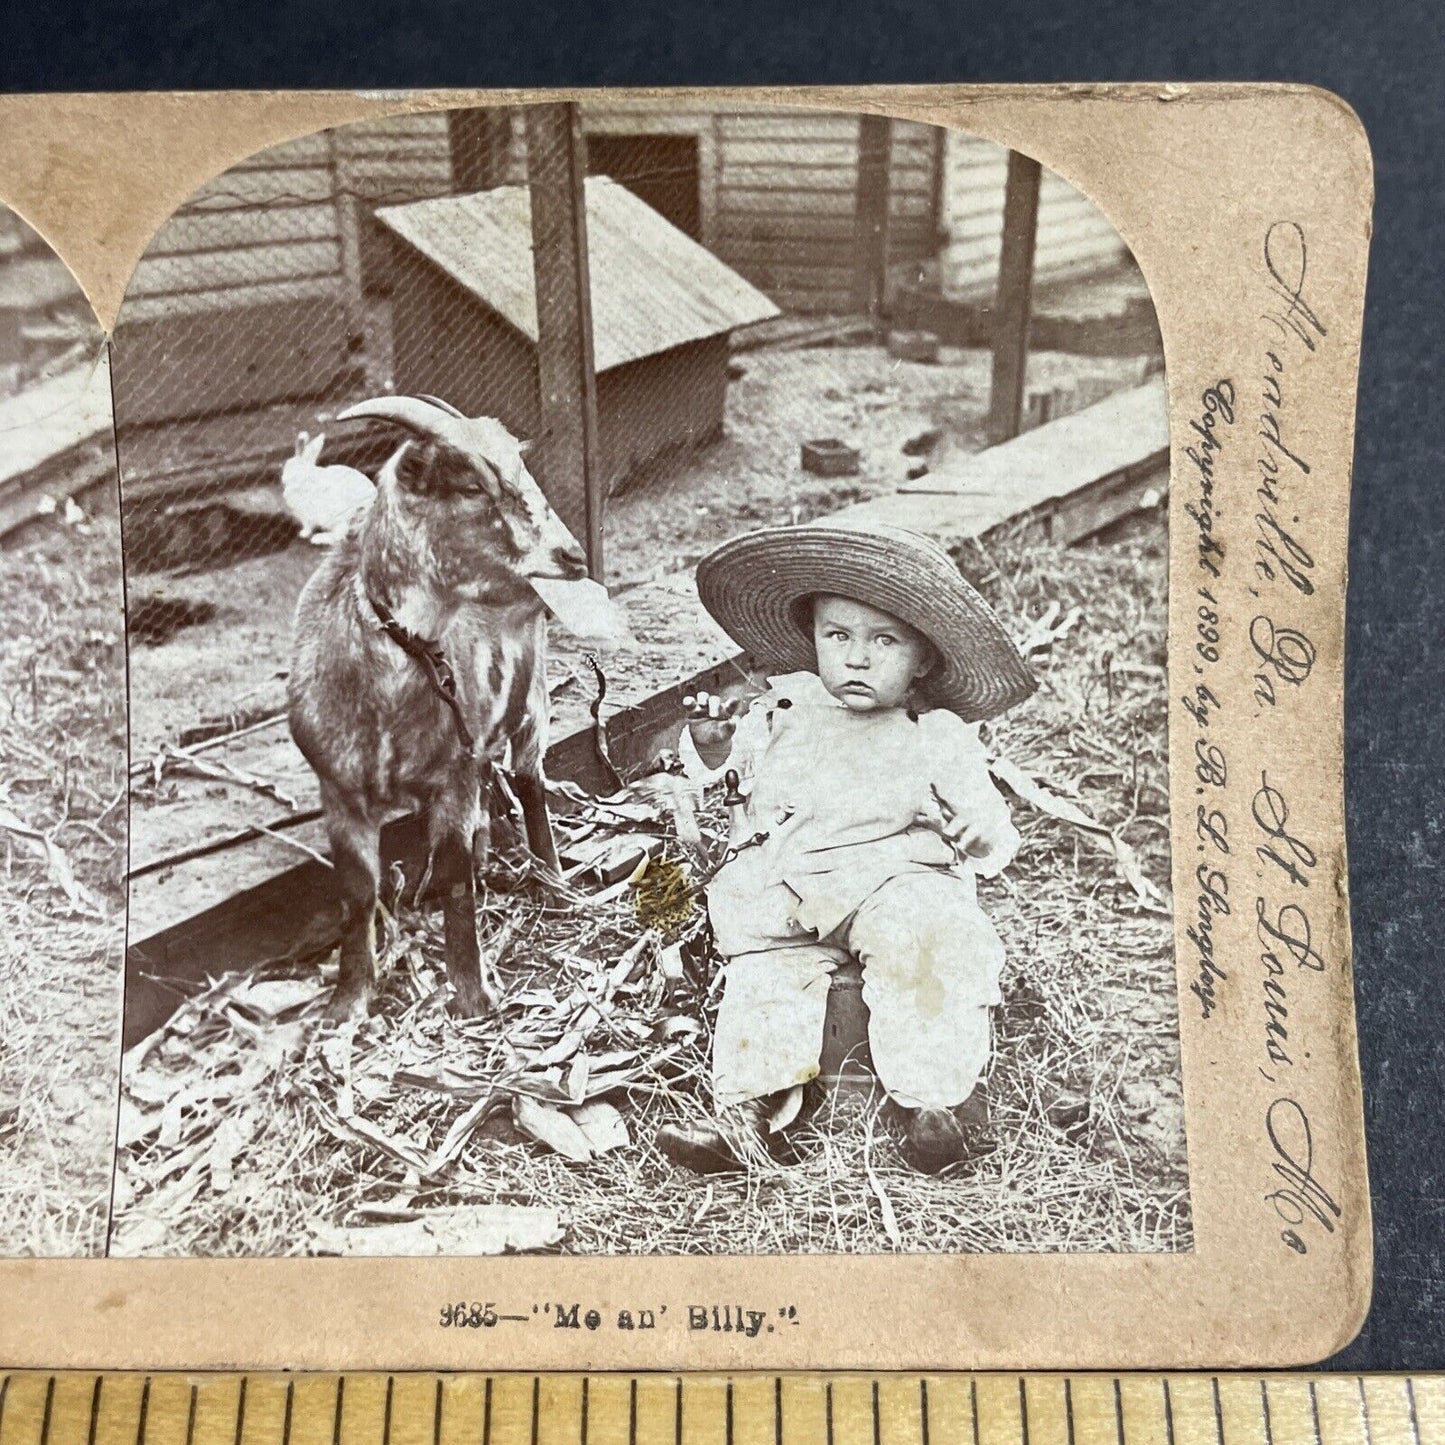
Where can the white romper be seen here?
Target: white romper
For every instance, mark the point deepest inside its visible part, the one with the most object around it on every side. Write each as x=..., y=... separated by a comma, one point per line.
x=856, y=863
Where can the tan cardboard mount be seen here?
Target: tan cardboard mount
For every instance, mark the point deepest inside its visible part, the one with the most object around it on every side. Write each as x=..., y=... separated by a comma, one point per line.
x=1248, y=210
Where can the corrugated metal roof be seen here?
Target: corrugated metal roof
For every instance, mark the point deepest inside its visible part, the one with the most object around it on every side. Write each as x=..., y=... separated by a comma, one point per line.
x=653, y=287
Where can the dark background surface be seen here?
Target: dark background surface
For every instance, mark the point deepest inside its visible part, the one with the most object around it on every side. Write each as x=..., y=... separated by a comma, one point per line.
x=1384, y=59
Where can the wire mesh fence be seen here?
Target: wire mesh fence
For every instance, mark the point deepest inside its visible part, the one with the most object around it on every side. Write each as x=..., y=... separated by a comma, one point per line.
x=401, y=255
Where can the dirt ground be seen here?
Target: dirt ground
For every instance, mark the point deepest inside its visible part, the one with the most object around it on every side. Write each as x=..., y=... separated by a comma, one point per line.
x=62, y=923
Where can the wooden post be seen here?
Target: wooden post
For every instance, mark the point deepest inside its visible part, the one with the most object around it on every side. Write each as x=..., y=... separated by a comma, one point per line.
x=568, y=465
x=348, y=233
x=870, y=215
x=1013, y=299
x=479, y=140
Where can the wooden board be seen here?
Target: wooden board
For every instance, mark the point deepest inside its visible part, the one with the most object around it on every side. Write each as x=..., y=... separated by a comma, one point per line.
x=44, y=422
x=1123, y=431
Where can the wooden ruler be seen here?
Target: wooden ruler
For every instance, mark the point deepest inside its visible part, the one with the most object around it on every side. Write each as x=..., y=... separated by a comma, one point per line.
x=513, y=1409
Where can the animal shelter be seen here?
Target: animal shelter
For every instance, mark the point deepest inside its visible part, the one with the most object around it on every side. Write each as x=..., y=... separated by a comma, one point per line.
x=465, y=323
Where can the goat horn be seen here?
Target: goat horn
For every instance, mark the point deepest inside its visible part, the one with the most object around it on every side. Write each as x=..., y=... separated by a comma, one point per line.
x=424, y=415
x=446, y=406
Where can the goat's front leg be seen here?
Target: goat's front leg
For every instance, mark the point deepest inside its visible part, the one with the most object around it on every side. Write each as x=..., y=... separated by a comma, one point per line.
x=456, y=831
x=356, y=860
x=531, y=793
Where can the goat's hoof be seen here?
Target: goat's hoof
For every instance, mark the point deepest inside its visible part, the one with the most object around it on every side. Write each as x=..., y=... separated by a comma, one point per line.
x=469, y=1004
x=348, y=1005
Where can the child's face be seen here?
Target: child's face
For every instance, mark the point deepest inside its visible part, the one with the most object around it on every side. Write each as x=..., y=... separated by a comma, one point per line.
x=867, y=659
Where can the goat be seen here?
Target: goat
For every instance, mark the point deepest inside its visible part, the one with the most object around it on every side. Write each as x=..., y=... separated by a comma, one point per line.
x=419, y=663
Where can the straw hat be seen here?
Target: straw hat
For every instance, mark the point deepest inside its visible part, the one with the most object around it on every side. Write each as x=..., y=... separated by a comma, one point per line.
x=755, y=586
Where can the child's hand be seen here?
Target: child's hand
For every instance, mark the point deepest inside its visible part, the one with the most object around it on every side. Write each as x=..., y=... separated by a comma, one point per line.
x=711, y=720
x=968, y=838
x=967, y=835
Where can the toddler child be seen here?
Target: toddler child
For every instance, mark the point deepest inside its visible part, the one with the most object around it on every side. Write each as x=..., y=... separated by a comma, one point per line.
x=868, y=812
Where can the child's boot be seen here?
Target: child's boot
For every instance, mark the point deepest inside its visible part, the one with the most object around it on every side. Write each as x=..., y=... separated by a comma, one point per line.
x=935, y=1138
x=722, y=1146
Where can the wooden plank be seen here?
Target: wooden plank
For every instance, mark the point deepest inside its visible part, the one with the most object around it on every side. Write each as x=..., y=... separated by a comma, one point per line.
x=784, y=228
x=216, y=230
x=779, y=125
x=824, y=203
x=788, y=251
x=194, y=305
x=782, y=175
x=402, y=180
x=569, y=443
x=239, y=266
x=43, y=423
x=1123, y=431
x=790, y=180
x=263, y=188
x=795, y=153
x=1101, y=503
x=1013, y=297
x=290, y=345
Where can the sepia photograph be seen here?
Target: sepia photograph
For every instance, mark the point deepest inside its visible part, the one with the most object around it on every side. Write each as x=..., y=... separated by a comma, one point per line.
x=63, y=788
x=647, y=638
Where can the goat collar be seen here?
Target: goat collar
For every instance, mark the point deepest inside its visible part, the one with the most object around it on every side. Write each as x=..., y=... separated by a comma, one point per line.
x=434, y=665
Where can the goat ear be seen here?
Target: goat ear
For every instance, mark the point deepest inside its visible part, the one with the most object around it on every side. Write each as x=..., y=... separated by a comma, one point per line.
x=313, y=447
x=524, y=448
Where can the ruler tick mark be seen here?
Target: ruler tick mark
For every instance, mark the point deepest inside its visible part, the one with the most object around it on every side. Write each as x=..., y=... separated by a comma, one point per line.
x=583, y=1432
x=191, y=1415
x=436, y=1414
x=1168, y=1412
x=94, y=1410
x=386, y=1417
x=487, y=1413
x=336, y=1410
x=1409, y=1395
x=777, y=1410
x=1118, y=1411
x=923, y=1411
x=1023, y=1411
x=536, y=1405
x=1264, y=1407
x=1068, y=1411
x=677, y=1414
x=145, y=1406
x=1218, y=1408
x=632, y=1412
x=828, y=1410
x=972, y=1410
x=240, y=1411
x=877, y=1425
x=1315, y=1412
x=729, y=1418
x=49, y=1405
x=1365, y=1411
